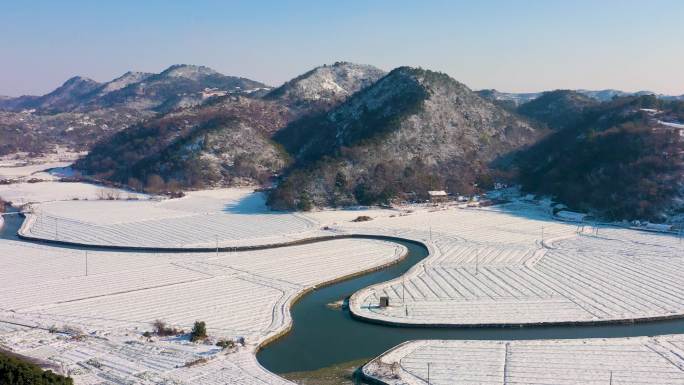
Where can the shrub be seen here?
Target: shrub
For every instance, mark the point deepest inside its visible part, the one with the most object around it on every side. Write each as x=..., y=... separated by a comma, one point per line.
x=199, y=331
x=225, y=344
x=362, y=218
x=162, y=330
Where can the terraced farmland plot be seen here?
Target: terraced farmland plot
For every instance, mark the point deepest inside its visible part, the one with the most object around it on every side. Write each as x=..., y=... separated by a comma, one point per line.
x=484, y=227
x=109, y=359
x=201, y=219
x=21, y=193
x=241, y=368
x=22, y=262
x=504, y=274
x=246, y=294
x=643, y=360
x=179, y=232
x=360, y=255
x=230, y=306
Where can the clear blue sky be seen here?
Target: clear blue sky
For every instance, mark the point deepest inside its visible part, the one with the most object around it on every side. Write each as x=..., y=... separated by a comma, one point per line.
x=508, y=45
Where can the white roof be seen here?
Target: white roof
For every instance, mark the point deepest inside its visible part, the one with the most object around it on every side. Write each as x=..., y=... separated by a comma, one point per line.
x=437, y=193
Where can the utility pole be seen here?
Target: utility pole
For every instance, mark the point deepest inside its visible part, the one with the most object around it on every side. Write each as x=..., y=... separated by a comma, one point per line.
x=477, y=260
x=428, y=376
x=86, y=262
x=542, y=233
x=611, y=377
x=216, y=245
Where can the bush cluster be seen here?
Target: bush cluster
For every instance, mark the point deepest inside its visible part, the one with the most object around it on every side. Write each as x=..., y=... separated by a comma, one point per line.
x=162, y=330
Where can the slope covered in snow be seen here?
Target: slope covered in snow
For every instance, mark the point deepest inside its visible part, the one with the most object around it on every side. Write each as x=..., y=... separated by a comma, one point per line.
x=325, y=86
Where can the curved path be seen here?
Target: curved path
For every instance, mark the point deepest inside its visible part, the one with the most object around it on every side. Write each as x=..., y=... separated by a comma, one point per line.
x=345, y=339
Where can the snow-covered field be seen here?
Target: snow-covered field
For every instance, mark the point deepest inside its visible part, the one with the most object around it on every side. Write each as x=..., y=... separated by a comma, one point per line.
x=507, y=265
x=22, y=165
x=23, y=193
x=227, y=218
x=642, y=360
x=243, y=294
x=491, y=267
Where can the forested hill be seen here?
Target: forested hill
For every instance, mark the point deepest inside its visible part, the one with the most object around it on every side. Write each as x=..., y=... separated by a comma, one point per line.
x=558, y=109
x=412, y=131
x=618, y=160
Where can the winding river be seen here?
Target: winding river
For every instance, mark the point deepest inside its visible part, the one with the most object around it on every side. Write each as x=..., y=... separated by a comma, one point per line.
x=322, y=336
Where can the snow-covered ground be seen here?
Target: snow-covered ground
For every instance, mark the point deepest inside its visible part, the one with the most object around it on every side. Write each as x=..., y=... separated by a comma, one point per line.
x=491, y=267
x=228, y=217
x=17, y=172
x=23, y=193
x=503, y=265
x=642, y=360
x=487, y=266
x=245, y=294
x=22, y=166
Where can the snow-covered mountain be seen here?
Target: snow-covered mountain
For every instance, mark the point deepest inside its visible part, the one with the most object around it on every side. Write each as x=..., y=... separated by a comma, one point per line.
x=123, y=81
x=513, y=99
x=227, y=140
x=508, y=99
x=325, y=86
x=190, y=81
x=411, y=131
x=133, y=90
x=81, y=110
x=65, y=97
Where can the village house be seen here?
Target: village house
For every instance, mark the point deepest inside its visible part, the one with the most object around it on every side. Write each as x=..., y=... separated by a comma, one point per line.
x=438, y=196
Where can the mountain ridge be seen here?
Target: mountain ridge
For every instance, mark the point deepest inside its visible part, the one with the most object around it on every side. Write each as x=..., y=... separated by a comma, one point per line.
x=82, y=111
x=130, y=90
